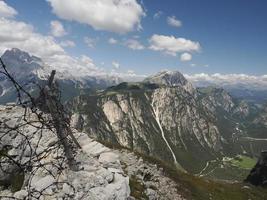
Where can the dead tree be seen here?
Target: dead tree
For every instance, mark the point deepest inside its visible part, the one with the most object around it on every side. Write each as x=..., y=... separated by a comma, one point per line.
x=51, y=98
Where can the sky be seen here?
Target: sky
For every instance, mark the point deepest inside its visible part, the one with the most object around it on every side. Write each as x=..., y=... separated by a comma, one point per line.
x=137, y=37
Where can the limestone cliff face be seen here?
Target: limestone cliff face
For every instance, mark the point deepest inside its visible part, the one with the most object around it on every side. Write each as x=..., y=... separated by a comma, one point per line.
x=164, y=118
x=262, y=117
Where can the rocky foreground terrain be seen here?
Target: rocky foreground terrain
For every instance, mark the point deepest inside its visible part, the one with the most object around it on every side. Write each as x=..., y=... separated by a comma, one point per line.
x=103, y=173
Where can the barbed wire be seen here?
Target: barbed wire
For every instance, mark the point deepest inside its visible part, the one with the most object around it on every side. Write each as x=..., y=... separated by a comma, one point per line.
x=41, y=117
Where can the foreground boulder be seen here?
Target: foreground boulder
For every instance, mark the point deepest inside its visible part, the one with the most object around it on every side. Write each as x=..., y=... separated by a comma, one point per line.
x=258, y=175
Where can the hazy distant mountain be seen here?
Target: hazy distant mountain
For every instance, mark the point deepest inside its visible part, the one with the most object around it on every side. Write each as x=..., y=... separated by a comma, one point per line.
x=29, y=70
x=249, y=87
x=255, y=96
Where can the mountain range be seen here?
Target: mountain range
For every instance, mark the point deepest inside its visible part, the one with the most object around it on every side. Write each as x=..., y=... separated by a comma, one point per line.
x=201, y=130
x=29, y=71
x=167, y=138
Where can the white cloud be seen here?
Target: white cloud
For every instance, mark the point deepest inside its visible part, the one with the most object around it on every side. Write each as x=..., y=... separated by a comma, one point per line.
x=198, y=65
x=67, y=43
x=171, y=45
x=16, y=34
x=112, y=41
x=129, y=76
x=134, y=44
x=57, y=29
x=131, y=72
x=172, y=21
x=90, y=42
x=229, y=80
x=264, y=77
x=157, y=15
x=115, y=65
x=6, y=10
x=185, y=57
x=21, y=35
x=88, y=62
x=120, y=16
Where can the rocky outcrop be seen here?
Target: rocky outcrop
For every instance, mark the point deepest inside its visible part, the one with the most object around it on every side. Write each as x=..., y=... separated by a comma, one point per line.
x=103, y=173
x=214, y=98
x=171, y=79
x=154, y=183
x=262, y=116
x=258, y=175
x=100, y=174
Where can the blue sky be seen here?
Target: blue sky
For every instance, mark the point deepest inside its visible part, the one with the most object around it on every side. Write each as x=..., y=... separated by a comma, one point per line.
x=232, y=35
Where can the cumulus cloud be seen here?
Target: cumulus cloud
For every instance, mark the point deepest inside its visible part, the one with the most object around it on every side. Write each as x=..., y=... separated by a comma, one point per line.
x=112, y=41
x=17, y=34
x=128, y=76
x=119, y=16
x=21, y=35
x=67, y=43
x=198, y=65
x=264, y=77
x=115, y=65
x=90, y=42
x=134, y=44
x=171, y=45
x=172, y=21
x=185, y=57
x=6, y=10
x=131, y=72
x=88, y=62
x=228, y=80
x=57, y=29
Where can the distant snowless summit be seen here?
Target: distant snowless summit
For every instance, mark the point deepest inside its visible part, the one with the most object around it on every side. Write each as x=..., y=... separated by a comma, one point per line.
x=28, y=69
x=250, y=87
x=21, y=63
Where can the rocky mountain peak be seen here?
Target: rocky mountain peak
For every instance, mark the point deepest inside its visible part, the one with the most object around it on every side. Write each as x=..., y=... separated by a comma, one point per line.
x=28, y=69
x=170, y=79
x=21, y=55
x=20, y=62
